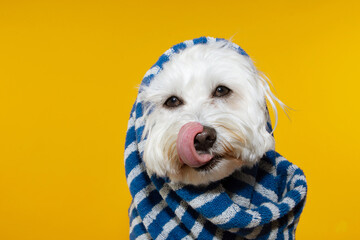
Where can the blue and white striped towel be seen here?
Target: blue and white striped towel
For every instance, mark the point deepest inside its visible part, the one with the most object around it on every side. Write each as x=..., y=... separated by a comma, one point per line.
x=262, y=202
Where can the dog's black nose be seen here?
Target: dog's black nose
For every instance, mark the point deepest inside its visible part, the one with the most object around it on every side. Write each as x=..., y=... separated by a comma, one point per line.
x=205, y=140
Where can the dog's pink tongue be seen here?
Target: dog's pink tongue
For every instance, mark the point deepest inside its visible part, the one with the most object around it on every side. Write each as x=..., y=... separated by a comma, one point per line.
x=185, y=145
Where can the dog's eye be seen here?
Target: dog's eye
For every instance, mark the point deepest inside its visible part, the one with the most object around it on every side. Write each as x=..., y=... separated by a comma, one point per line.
x=221, y=91
x=173, y=102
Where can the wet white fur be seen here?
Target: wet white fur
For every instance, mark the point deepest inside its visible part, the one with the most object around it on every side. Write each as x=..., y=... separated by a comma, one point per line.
x=239, y=119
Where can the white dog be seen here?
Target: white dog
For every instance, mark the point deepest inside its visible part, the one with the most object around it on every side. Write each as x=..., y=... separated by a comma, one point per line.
x=206, y=115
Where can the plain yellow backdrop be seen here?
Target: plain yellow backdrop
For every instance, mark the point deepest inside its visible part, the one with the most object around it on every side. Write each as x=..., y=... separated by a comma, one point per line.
x=68, y=77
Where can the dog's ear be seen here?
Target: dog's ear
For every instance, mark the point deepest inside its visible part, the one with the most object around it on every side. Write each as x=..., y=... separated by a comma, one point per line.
x=265, y=84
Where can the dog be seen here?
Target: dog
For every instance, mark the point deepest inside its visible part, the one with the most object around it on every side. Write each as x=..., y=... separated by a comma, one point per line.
x=199, y=150
x=206, y=115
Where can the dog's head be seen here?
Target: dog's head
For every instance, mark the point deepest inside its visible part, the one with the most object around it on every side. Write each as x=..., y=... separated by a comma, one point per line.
x=205, y=115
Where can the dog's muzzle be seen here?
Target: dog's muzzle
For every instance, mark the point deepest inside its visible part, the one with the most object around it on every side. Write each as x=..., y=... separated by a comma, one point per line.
x=193, y=143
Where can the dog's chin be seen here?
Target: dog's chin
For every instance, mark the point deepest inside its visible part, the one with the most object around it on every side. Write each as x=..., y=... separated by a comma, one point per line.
x=217, y=168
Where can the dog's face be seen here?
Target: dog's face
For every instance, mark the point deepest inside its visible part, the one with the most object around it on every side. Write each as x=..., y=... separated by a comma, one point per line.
x=205, y=115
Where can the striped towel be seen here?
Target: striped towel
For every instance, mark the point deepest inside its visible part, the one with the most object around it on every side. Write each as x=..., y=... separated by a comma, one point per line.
x=262, y=202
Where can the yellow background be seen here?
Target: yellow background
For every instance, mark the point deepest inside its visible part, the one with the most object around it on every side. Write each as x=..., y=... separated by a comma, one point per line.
x=68, y=77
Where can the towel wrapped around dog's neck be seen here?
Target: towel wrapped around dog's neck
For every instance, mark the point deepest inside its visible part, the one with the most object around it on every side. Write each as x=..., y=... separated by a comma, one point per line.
x=261, y=202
